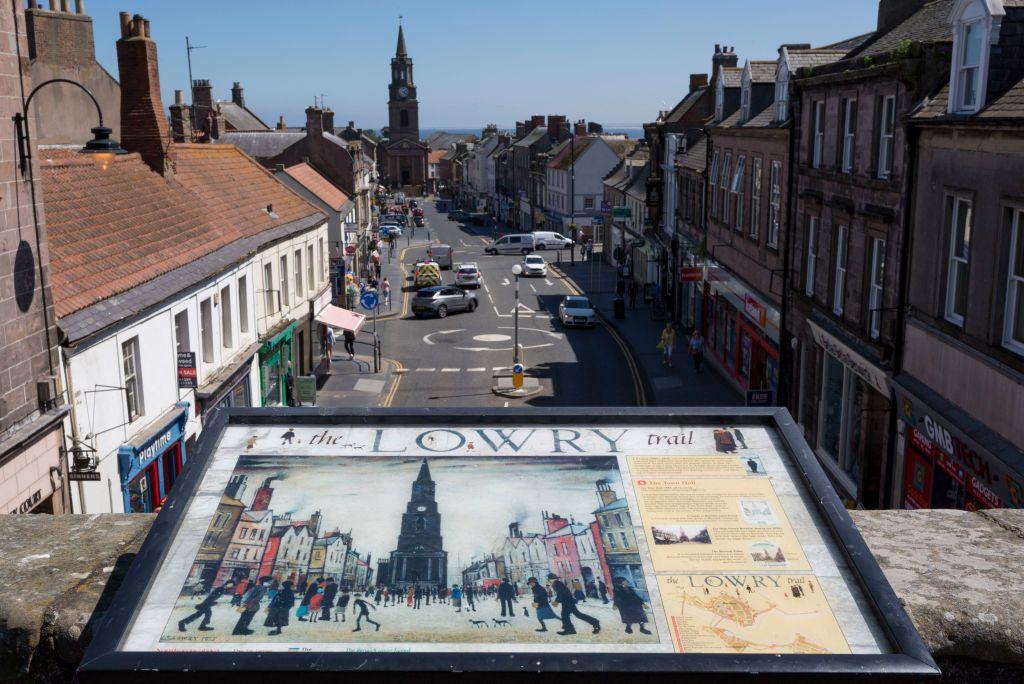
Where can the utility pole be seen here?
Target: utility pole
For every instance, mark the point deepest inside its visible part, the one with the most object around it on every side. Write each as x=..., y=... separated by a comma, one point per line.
x=572, y=192
x=189, y=47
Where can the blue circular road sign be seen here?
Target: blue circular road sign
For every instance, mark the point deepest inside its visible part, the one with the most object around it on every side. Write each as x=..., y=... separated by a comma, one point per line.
x=517, y=368
x=368, y=300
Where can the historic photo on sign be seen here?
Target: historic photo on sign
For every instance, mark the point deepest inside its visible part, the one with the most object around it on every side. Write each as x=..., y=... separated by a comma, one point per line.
x=314, y=549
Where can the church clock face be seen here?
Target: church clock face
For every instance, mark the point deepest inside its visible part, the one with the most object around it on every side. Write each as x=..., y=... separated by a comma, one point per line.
x=421, y=509
x=403, y=92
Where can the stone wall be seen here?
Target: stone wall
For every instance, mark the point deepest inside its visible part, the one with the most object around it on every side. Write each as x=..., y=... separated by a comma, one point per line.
x=957, y=573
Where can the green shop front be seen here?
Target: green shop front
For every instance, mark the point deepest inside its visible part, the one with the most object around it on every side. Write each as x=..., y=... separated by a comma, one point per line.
x=275, y=355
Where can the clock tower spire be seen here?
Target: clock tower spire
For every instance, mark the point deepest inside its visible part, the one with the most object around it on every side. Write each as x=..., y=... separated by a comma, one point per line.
x=405, y=156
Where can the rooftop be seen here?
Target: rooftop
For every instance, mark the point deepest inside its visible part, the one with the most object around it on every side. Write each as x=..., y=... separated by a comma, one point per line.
x=312, y=180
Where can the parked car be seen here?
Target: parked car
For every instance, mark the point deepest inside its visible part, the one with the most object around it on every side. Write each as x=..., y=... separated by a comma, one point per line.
x=441, y=300
x=442, y=254
x=521, y=243
x=468, y=275
x=574, y=311
x=400, y=219
x=458, y=215
x=427, y=273
x=386, y=229
x=546, y=239
x=417, y=221
x=534, y=265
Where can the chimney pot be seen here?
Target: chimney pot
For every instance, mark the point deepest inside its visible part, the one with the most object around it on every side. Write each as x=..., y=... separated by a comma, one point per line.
x=179, y=97
x=351, y=124
x=79, y=6
x=65, y=5
x=32, y=4
x=126, y=20
x=718, y=48
x=145, y=28
x=53, y=6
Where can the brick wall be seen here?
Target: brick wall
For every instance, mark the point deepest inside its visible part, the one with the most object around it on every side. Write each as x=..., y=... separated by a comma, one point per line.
x=143, y=122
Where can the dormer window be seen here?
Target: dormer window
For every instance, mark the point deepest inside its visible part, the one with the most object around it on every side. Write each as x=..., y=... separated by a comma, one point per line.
x=719, y=97
x=782, y=93
x=974, y=23
x=745, y=101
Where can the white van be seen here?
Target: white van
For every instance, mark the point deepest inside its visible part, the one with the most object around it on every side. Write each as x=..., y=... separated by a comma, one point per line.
x=546, y=239
x=511, y=244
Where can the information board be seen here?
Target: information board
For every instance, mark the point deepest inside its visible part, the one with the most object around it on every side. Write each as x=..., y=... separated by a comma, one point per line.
x=649, y=541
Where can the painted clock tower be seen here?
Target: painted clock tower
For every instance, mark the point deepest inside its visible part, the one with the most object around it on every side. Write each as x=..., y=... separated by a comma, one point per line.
x=420, y=557
x=403, y=108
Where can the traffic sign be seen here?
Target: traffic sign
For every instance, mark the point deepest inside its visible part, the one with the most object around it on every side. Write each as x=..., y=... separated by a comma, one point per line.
x=622, y=212
x=597, y=220
x=368, y=300
x=517, y=375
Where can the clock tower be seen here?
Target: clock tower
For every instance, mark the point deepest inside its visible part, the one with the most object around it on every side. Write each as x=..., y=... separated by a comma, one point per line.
x=403, y=108
x=420, y=557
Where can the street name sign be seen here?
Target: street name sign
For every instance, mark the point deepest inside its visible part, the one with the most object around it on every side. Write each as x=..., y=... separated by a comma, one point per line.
x=511, y=543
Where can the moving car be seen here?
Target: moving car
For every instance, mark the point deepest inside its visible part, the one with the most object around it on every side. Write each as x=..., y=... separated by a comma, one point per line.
x=534, y=265
x=468, y=275
x=521, y=243
x=546, y=239
x=575, y=310
x=458, y=215
x=427, y=273
x=417, y=212
x=442, y=254
x=442, y=300
x=400, y=219
x=417, y=221
x=386, y=229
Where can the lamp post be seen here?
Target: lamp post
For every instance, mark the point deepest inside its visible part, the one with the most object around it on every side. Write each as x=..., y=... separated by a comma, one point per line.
x=572, y=193
x=516, y=271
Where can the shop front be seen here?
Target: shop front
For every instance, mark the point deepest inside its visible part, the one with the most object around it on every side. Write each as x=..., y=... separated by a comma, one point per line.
x=741, y=332
x=231, y=387
x=943, y=466
x=149, y=464
x=275, y=355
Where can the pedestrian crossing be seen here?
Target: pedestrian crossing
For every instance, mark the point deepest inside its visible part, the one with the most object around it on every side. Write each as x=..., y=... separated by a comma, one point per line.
x=455, y=370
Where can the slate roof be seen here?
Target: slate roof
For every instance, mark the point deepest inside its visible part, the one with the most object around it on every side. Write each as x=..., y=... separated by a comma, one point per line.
x=930, y=24
x=621, y=147
x=312, y=180
x=531, y=137
x=765, y=119
x=732, y=77
x=730, y=121
x=241, y=118
x=696, y=157
x=616, y=505
x=261, y=145
x=442, y=140
x=799, y=59
x=763, y=70
x=569, y=152
x=685, y=105
x=638, y=187
x=1009, y=105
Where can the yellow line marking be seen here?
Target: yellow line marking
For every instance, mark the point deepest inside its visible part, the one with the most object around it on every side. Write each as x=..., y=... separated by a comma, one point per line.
x=396, y=379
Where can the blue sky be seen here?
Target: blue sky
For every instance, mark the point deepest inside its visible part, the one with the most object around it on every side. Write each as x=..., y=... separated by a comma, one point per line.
x=475, y=62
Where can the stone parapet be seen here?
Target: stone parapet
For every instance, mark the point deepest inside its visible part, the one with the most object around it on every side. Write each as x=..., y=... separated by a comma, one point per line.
x=957, y=573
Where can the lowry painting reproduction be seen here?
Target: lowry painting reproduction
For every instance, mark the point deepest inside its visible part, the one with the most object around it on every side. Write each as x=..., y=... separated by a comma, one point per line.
x=315, y=549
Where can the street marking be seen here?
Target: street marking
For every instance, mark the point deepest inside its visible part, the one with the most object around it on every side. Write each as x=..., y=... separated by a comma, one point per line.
x=504, y=282
x=386, y=401
x=426, y=370
x=532, y=287
x=549, y=283
x=450, y=370
x=401, y=371
x=476, y=370
x=487, y=289
x=499, y=368
x=506, y=405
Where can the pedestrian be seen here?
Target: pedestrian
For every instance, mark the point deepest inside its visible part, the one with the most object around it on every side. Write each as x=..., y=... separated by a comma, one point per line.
x=330, y=591
x=240, y=588
x=667, y=343
x=280, y=606
x=410, y=593
x=564, y=598
x=697, y=350
x=417, y=598
x=304, y=604
x=205, y=607
x=385, y=289
x=541, y=603
x=376, y=269
x=289, y=386
x=506, y=594
x=634, y=289
x=457, y=598
x=442, y=594
x=577, y=591
x=377, y=596
x=329, y=346
x=250, y=605
x=362, y=610
x=342, y=605
x=350, y=344
x=630, y=605
x=602, y=589
x=315, y=604
x=470, y=595
x=620, y=288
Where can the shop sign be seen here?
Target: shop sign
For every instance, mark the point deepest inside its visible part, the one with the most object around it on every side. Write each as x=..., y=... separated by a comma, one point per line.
x=690, y=274
x=597, y=220
x=29, y=503
x=755, y=310
x=622, y=212
x=606, y=206
x=762, y=397
x=350, y=250
x=305, y=389
x=187, y=377
x=155, y=448
x=864, y=369
x=77, y=476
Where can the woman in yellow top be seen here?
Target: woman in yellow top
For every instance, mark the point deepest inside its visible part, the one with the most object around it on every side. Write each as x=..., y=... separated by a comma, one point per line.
x=668, y=343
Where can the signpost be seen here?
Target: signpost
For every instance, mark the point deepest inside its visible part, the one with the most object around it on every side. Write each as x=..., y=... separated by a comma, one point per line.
x=370, y=301
x=517, y=376
x=738, y=556
x=187, y=377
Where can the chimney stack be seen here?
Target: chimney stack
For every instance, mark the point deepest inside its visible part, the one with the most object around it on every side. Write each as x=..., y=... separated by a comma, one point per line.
x=280, y=123
x=237, y=94
x=181, y=119
x=143, y=124
x=698, y=81
x=557, y=129
x=520, y=129
x=314, y=122
x=62, y=38
x=892, y=12
x=327, y=116
x=580, y=127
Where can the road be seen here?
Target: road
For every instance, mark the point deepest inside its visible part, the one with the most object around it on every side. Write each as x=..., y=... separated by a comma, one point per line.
x=450, y=361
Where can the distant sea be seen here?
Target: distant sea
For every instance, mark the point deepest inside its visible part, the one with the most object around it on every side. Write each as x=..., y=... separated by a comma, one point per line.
x=631, y=130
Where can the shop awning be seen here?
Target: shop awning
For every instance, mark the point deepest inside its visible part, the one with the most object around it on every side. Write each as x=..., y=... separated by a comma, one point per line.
x=336, y=317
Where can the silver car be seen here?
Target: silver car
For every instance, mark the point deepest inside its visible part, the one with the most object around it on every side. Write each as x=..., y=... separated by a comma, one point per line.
x=442, y=300
x=577, y=311
x=467, y=275
x=534, y=265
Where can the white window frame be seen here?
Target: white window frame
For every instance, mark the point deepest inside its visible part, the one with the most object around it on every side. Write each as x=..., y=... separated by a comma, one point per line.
x=755, y=198
x=243, y=304
x=839, y=277
x=782, y=93
x=131, y=368
x=837, y=463
x=207, y=338
x=955, y=261
x=876, y=283
x=986, y=16
x=310, y=268
x=284, y=277
x=849, y=134
x=269, y=302
x=714, y=183
x=736, y=191
x=776, y=204
x=812, y=255
x=182, y=333
x=297, y=265
x=226, y=318
x=724, y=187
x=745, y=100
x=818, y=133
x=1014, y=280
x=321, y=261
x=886, y=136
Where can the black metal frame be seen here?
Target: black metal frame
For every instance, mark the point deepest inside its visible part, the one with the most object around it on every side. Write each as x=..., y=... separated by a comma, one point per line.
x=909, y=659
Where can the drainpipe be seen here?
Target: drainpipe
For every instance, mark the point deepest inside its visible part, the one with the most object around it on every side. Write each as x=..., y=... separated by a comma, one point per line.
x=73, y=419
x=785, y=344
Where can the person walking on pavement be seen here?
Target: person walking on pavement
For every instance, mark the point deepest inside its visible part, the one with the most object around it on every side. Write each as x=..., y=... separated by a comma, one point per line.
x=564, y=598
x=304, y=604
x=506, y=594
x=630, y=606
x=329, y=341
x=541, y=603
x=470, y=596
x=634, y=289
x=667, y=343
x=205, y=607
x=330, y=591
x=697, y=350
x=457, y=598
x=602, y=589
x=342, y=605
x=385, y=289
x=250, y=606
x=362, y=610
x=240, y=588
x=350, y=344
x=280, y=606
x=417, y=598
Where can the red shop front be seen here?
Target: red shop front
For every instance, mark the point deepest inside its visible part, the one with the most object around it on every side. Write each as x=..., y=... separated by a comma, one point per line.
x=735, y=335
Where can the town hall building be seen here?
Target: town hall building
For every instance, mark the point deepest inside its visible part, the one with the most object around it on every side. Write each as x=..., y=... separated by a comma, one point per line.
x=404, y=155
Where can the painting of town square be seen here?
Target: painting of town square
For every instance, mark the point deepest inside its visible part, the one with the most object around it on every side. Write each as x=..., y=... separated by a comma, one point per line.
x=418, y=550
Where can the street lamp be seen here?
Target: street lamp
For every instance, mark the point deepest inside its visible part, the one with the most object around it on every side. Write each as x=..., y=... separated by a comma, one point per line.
x=102, y=147
x=517, y=270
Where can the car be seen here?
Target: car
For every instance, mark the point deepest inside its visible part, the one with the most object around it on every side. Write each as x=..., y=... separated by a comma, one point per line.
x=458, y=215
x=386, y=229
x=534, y=265
x=417, y=221
x=442, y=254
x=575, y=310
x=417, y=211
x=468, y=275
x=442, y=300
x=400, y=219
x=427, y=274
x=521, y=243
x=546, y=239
